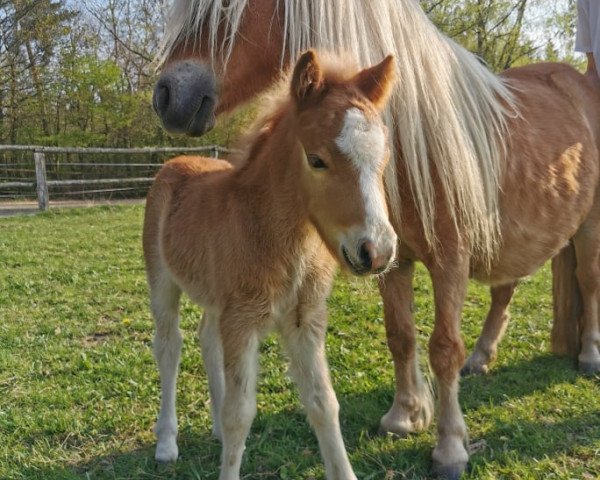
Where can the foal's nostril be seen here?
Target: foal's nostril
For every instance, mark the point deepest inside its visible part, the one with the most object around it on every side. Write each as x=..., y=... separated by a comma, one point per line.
x=162, y=95
x=365, y=255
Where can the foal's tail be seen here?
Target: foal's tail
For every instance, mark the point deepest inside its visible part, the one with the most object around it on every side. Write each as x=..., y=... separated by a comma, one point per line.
x=568, y=304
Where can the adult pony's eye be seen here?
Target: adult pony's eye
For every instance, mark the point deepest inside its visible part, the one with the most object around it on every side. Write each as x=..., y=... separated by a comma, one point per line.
x=316, y=162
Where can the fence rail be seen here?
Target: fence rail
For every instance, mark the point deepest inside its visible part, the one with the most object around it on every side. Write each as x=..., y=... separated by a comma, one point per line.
x=41, y=182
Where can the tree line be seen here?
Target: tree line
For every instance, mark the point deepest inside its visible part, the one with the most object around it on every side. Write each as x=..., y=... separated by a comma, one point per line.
x=76, y=73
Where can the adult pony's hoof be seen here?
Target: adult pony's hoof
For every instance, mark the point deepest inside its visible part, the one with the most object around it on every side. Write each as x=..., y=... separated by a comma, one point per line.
x=589, y=368
x=478, y=363
x=404, y=418
x=396, y=435
x=473, y=369
x=400, y=425
x=451, y=471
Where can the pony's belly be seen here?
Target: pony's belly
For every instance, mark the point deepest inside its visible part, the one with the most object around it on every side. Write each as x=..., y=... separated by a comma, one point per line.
x=534, y=231
x=507, y=270
x=521, y=257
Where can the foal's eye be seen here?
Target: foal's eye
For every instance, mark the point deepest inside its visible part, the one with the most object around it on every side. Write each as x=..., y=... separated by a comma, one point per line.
x=316, y=162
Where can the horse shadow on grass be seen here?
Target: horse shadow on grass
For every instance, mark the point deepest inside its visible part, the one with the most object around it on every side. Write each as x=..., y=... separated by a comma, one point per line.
x=516, y=380
x=294, y=454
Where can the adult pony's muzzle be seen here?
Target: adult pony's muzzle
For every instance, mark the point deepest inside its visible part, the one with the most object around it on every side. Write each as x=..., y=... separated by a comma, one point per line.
x=185, y=97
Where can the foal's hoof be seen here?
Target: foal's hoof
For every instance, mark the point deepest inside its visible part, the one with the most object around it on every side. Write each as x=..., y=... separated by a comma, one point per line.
x=589, y=368
x=452, y=471
x=166, y=452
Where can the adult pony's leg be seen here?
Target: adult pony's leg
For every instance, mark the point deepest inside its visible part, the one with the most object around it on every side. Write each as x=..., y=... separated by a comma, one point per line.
x=212, y=353
x=494, y=327
x=567, y=303
x=240, y=355
x=304, y=341
x=164, y=301
x=587, y=250
x=447, y=354
x=412, y=409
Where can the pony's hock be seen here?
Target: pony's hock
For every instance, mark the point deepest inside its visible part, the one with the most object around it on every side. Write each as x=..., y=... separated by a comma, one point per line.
x=490, y=177
x=254, y=244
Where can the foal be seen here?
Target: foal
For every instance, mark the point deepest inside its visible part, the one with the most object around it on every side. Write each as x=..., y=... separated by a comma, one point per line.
x=255, y=246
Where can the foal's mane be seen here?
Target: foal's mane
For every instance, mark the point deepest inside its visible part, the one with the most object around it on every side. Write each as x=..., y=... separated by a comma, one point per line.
x=448, y=111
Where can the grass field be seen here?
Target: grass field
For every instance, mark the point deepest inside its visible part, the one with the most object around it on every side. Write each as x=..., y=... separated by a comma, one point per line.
x=79, y=387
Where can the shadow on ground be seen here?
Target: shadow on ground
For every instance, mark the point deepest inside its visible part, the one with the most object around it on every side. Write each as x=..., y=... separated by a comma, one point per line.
x=506, y=441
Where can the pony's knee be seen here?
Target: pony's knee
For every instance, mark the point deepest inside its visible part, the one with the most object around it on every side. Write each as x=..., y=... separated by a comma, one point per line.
x=321, y=408
x=401, y=339
x=167, y=343
x=446, y=354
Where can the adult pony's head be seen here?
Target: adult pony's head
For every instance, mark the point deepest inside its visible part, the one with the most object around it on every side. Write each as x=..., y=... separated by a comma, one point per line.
x=216, y=53
x=342, y=145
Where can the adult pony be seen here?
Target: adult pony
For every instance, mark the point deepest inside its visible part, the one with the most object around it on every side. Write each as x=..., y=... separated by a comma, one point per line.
x=255, y=244
x=491, y=176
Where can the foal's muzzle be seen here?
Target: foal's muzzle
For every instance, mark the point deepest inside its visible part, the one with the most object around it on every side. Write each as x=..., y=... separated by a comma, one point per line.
x=370, y=257
x=185, y=97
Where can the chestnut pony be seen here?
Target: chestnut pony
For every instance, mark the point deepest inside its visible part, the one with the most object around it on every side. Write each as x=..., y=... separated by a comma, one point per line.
x=255, y=246
x=490, y=175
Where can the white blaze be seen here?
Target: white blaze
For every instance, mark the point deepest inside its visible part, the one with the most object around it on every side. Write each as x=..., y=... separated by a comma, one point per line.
x=363, y=142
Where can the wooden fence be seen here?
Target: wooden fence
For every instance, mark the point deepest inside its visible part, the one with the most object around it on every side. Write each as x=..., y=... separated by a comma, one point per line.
x=42, y=184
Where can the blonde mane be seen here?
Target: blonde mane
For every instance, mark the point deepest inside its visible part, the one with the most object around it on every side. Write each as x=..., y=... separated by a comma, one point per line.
x=448, y=111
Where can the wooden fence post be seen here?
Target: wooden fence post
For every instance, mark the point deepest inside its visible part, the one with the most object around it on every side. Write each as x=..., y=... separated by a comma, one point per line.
x=41, y=183
x=215, y=151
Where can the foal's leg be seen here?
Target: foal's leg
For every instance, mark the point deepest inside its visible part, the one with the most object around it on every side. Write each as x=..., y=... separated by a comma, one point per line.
x=494, y=327
x=212, y=353
x=412, y=409
x=240, y=354
x=304, y=341
x=447, y=354
x=587, y=250
x=164, y=300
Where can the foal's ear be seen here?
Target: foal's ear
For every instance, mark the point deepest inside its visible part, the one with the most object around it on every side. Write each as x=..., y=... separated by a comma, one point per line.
x=307, y=77
x=376, y=83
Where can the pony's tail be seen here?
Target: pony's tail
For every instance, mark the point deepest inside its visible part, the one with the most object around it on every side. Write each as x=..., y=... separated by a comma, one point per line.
x=568, y=304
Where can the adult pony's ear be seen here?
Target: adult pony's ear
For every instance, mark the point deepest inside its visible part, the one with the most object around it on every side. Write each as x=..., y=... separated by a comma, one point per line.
x=376, y=83
x=307, y=77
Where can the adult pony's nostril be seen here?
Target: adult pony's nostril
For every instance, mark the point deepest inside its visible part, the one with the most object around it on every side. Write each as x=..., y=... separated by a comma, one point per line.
x=203, y=119
x=365, y=254
x=185, y=96
x=161, y=99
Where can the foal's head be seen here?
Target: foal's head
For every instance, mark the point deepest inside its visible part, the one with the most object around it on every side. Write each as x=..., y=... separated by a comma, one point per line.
x=344, y=153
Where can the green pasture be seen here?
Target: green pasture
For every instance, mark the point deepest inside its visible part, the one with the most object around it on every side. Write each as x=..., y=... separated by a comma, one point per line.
x=79, y=388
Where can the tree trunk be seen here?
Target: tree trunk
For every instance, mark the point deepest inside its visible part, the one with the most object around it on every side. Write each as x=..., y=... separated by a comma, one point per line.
x=39, y=89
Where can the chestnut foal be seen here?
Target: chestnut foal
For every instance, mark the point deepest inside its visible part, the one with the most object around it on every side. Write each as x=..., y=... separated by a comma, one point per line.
x=255, y=246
